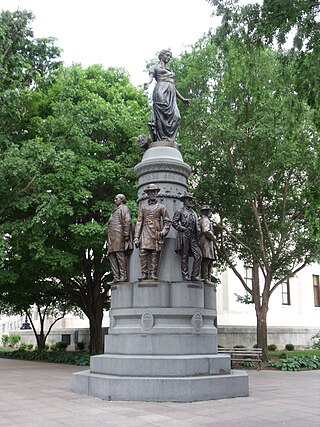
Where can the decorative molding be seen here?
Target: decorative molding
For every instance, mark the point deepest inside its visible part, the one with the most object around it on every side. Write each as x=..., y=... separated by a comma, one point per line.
x=147, y=321
x=197, y=321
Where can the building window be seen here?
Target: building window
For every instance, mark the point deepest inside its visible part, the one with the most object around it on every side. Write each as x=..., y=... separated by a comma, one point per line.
x=316, y=290
x=66, y=338
x=248, y=276
x=286, y=293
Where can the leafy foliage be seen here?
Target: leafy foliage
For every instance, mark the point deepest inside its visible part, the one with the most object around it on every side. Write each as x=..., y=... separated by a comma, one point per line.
x=295, y=363
x=316, y=341
x=256, y=160
x=11, y=340
x=272, y=347
x=289, y=347
x=280, y=21
x=66, y=149
x=67, y=357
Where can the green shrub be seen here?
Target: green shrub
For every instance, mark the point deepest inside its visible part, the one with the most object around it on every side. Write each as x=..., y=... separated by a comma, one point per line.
x=46, y=348
x=25, y=346
x=70, y=357
x=80, y=345
x=275, y=364
x=290, y=364
x=309, y=362
x=239, y=346
x=10, y=340
x=316, y=341
x=272, y=347
x=248, y=363
x=289, y=347
x=5, y=340
x=59, y=346
x=295, y=363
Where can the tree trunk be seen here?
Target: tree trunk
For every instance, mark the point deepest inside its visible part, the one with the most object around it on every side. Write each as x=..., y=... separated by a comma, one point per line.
x=41, y=341
x=261, y=304
x=262, y=332
x=96, y=339
x=93, y=309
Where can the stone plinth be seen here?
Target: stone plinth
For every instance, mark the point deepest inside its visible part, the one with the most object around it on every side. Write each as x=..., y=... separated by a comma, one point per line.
x=162, y=346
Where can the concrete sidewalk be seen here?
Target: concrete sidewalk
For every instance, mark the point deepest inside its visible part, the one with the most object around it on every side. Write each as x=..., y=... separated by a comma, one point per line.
x=38, y=394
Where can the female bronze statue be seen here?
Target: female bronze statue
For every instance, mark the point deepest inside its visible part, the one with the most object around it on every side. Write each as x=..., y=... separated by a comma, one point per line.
x=165, y=116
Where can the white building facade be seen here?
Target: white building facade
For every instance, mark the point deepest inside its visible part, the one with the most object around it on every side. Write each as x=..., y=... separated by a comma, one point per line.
x=293, y=317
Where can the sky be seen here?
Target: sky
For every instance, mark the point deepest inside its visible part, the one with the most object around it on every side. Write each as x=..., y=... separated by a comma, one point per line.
x=118, y=33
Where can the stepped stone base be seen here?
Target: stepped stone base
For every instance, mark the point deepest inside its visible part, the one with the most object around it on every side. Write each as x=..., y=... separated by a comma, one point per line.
x=161, y=389
x=162, y=346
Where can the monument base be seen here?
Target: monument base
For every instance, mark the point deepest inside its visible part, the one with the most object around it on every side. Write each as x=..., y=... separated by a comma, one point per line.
x=161, y=388
x=162, y=346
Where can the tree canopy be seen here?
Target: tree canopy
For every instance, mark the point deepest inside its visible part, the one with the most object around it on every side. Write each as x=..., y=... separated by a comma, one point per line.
x=253, y=142
x=60, y=170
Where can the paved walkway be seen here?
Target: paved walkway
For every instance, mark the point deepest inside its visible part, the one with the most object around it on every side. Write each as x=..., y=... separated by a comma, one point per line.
x=38, y=394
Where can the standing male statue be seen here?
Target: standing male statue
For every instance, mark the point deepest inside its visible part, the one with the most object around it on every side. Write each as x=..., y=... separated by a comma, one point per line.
x=206, y=244
x=185, y=221
x=119, y=239
x=152, y=226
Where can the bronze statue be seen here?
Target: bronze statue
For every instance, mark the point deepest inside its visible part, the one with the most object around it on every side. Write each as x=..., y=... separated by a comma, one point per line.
x=165, y=115
x=150, y=233
x=185, y=221
x=119, y=239
x=206, y=244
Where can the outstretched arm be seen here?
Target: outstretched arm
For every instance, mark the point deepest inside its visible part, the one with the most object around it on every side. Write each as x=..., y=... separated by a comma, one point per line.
x=183, y=99
x=146, y=85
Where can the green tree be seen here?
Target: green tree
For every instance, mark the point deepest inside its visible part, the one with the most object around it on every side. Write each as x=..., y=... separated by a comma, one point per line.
x=41, y=298
x=280, y=21
x=26, y=63
x=256, y=161
x=82, y=132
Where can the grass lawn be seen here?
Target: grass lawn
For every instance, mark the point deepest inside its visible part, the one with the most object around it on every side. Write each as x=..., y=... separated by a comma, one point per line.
x=277, y=354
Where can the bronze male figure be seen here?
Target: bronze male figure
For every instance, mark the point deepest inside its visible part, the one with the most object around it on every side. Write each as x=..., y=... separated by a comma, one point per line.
x=119, y=239
x=185, y=221
x=206, y=244
x=152, y=226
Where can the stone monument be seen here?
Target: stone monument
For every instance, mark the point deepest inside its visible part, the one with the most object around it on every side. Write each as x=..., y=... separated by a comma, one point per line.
x=162, y=341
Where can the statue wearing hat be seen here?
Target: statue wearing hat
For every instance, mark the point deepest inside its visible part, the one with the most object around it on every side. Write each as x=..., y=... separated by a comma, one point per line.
x=206, y=244
x=185, y=221
x=152, y=226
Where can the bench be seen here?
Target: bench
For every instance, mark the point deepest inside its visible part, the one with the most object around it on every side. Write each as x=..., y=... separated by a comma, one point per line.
x=239, y=355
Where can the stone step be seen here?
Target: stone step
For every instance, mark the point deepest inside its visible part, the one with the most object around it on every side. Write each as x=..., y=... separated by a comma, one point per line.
x=161, y=389
x=161, y=365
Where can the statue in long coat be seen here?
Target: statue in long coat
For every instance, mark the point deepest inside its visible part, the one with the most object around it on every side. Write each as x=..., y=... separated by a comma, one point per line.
x=206, y=244
x=119, y=239
x=152, y=226
x=185, y=221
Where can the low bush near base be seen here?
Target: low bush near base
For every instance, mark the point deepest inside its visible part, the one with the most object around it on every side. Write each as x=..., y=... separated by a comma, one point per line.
x=289, y=347
x=316, y=341
x=272, y=347
x=295, y=363
x=68, y=357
